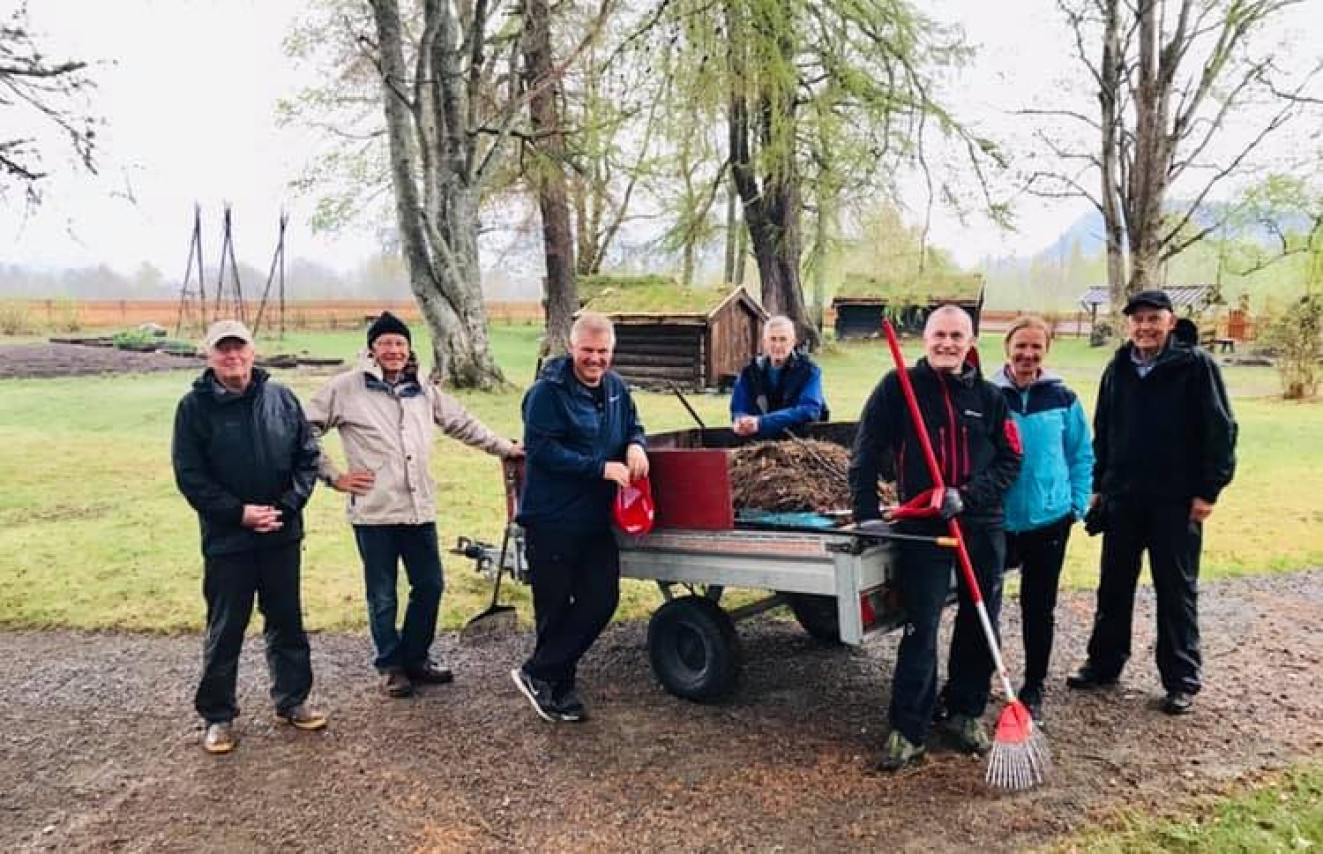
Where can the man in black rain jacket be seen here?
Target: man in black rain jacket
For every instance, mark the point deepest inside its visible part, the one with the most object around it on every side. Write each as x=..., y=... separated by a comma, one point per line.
x=246, y=461
x=978, y=451
x=1164, y=443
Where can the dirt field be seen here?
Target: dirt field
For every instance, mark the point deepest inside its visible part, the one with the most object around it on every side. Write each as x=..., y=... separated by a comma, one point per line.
x=21, y=361
x=101, y=749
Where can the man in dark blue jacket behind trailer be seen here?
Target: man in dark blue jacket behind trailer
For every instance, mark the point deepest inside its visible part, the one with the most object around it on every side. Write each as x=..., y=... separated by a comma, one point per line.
x=245, y=458
x=583, y=441
x=779, y=390
x=1164, y=443
x=978, y=451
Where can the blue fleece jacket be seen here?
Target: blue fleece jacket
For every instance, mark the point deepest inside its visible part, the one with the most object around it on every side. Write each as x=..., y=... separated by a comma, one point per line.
x=782, y=402
x=1057, y=473
x=568, y=443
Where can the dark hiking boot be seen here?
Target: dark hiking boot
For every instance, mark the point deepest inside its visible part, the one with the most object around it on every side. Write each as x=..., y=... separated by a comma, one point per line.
x=539, y=693
x=395, y=684
x=1178, y=703
x=966, y=734
x=219, y=738
x=430, y=674
x=302, y=717
x=1089, y=677
x=1032, y=697
x=569, y=706
x=899, y=752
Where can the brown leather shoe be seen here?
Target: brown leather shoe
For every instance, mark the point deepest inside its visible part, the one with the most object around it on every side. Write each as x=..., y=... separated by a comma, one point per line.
x=302, y=717
x=219, y=738
x=430, y=674
x=396, y=685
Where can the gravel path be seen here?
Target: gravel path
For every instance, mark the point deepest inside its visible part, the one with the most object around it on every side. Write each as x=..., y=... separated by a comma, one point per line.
x=100, y=748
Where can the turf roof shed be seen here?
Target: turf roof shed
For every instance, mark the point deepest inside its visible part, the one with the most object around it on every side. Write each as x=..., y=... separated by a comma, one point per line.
x=694, y=337
x=863, y=301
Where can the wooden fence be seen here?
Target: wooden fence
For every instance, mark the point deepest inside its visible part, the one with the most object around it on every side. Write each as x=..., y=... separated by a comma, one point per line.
x=63, y=315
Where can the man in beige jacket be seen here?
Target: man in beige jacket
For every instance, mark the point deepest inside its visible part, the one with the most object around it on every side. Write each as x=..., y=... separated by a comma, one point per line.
x=387, y=417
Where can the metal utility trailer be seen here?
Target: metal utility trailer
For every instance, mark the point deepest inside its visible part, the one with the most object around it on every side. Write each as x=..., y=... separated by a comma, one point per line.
x=838, y=586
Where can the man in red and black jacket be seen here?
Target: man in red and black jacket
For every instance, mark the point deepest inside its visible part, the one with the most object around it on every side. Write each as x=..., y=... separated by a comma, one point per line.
x=978, y=450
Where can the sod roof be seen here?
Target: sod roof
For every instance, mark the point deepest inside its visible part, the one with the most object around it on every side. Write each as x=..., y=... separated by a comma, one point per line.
x=649, y=296
x=919, y=290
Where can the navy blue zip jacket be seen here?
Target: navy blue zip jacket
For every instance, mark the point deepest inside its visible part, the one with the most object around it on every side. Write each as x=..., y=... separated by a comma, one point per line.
x=973, y=437
x=797, y=399
x=235, y=449
x=1170, y=434
x=568, y=443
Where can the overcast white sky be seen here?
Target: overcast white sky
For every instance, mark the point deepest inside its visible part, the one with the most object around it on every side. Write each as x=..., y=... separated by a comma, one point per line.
x=190, y=104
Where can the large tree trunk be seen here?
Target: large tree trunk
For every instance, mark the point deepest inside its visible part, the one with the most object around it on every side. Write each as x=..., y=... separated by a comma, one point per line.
x=562, y=299
x=438, y=222
x=771, y=211
x=1109, y=97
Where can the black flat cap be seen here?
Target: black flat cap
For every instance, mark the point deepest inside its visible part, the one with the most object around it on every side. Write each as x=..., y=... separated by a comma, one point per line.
x=1147, y=299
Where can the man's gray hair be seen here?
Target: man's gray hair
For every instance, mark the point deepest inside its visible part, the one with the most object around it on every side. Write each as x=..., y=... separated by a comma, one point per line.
x=949, y=309
x=780, y=321
x=592, y=323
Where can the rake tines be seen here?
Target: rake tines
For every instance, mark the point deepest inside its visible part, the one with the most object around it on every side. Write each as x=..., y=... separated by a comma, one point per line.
x=1020, y=758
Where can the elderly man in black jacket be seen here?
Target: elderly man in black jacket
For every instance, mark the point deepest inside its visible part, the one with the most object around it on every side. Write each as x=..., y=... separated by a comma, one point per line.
x=246, y=461
x=977, y=448
x=1164, y=440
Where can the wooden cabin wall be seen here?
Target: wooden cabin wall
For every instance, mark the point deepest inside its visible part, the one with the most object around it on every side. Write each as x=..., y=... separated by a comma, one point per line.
x=656, y=354
x=733, y=337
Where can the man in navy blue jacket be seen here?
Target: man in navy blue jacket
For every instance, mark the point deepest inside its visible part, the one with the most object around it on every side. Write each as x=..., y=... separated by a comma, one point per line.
x=779, y=390
x=583, y=441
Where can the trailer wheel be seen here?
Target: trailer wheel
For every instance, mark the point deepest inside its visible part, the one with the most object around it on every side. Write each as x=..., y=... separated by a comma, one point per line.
x=693, y=648
x=817, y=615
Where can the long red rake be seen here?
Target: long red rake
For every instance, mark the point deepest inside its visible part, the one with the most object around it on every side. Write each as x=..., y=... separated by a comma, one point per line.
x=1020, y=758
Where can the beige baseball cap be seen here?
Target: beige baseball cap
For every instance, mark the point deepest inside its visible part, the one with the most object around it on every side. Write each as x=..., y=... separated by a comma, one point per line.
x=222, y=329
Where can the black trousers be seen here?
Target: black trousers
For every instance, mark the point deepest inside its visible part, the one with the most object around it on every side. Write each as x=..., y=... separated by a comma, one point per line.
x=1173, y=543
x=229, y=584
x=924, y=573
x=1039, y=554
x=576, y=587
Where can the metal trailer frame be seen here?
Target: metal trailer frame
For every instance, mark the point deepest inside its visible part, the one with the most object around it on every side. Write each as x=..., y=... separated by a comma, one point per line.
x=840, y=588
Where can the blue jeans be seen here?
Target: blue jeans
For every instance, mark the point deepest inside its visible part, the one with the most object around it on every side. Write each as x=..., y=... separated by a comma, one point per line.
x=382, y=547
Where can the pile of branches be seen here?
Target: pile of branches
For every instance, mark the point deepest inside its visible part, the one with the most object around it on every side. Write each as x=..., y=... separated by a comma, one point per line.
x=797, y=475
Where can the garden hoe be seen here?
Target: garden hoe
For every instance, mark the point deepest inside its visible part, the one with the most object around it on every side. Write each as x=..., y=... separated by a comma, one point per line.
x=1019, y=758
x=498, y=618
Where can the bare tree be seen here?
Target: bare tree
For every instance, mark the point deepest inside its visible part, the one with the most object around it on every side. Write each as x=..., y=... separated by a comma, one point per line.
x=1186, y=98
x=37, y=90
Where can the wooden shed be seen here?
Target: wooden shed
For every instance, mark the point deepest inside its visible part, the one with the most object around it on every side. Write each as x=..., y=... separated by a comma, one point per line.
x=862, y=302
x=693, y=337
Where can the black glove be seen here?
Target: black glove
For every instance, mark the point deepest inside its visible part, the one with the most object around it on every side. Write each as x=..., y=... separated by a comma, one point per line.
x=952, y=504
x=1095, y=520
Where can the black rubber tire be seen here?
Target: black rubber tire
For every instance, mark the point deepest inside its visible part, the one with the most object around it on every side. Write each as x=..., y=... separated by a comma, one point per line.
x=818, y=616
x=693, y=648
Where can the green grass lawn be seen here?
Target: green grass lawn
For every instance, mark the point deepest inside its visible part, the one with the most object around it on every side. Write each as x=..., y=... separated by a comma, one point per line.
x=1284, y=814
x=95, y=536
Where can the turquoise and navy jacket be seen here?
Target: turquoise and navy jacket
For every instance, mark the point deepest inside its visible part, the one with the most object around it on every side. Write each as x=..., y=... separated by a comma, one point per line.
x=1057, y=474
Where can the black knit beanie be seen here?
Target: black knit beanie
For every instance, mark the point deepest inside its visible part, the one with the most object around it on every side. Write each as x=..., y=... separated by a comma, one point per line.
x=387, y=324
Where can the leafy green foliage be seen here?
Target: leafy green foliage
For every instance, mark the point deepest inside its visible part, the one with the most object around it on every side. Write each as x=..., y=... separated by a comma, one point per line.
x=1297, y=338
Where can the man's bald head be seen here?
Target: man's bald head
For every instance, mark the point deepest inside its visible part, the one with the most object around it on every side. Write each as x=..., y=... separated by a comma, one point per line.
x=947, y=337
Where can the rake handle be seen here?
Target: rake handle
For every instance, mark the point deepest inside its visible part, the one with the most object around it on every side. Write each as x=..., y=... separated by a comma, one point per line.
x=952, y=525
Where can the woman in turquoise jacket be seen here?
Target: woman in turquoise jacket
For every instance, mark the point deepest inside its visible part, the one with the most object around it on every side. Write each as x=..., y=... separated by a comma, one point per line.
x=1051, y=492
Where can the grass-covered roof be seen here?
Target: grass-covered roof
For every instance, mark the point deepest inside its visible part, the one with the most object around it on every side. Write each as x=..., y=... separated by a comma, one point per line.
x=918, y=290
x=647, y=295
